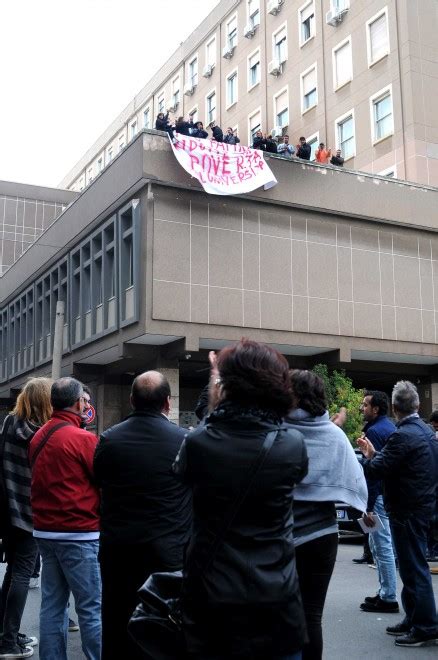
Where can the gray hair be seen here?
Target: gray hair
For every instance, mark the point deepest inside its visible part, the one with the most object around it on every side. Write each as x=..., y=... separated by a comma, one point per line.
x=65, y=392
x=405, y=397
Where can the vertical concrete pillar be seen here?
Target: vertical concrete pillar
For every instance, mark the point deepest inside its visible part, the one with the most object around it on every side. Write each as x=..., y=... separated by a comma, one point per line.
x=172, y=376
x=434, y=396
x=109, y=405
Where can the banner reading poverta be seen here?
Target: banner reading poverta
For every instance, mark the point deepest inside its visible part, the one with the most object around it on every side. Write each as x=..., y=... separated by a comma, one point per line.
x=223, y=169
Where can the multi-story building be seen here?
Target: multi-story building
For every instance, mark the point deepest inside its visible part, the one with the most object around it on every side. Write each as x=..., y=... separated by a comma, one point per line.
x=359, y=75
x=25, y=213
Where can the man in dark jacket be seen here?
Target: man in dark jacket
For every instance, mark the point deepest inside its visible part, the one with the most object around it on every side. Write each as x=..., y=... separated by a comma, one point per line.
x=146, y=511
x=217, y=132
x=199, y=132
x=408, y=465
x=337, y=159
x=230, y=138
x=303, y=149
x=377, y=429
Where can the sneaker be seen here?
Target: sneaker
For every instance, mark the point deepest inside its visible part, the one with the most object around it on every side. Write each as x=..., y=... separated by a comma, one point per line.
x=372, y=565
x=72, y=626
x=379, y=605
x=399, y=629
x=24, y=640
x=34, y=583
x=17, y=651
x=414, y=639
x=365, y=559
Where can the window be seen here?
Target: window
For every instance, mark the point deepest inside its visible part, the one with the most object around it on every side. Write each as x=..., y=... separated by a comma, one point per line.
x=147, y=117
x=161, y=102
x=193, y=113
x=89, y=174
x=210, y=107
x=121, y=142
x=281, y=108
x=254, y=125
x=280, y=45
x=339, y=5
x=345, y=135
x=193, y=72
x=306, y=18
x=232, y=89
x=100, y=164
x=254, y=69
x=342, y=64
x=232, y=32
x=254, y=13
x=210, y=52
x=382, y=116
x=377, y=37
x=110, y=154
x=313, y=141
x=309, y=95
x=175, y=92
x=133, y=129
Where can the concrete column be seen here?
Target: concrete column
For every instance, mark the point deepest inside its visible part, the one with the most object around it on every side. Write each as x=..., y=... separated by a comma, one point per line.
x=434, y=396
x=109, y=405
x=172, y=376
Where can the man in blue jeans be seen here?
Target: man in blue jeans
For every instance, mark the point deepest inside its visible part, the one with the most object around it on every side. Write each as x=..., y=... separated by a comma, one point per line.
x=65, y=507
x=408, y=465
x=378, y=427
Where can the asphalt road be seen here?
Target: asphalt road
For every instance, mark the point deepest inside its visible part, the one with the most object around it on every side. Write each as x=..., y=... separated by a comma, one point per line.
x=348, y=632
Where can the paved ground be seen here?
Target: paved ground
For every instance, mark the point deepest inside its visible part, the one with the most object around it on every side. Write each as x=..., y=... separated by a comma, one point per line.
x=348, y=633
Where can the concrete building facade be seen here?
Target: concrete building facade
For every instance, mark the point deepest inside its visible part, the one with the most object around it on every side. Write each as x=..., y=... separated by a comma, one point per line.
x=361, y=75
x=340, y=267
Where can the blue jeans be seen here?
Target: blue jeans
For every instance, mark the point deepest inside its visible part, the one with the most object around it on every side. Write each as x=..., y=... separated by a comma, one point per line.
x=418, y=601
x=381, y=547
x=69, y=566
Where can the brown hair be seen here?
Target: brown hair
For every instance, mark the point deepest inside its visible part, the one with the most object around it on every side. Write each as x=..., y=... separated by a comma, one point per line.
x=308, y=390
x=33, y=402
x=254, y=374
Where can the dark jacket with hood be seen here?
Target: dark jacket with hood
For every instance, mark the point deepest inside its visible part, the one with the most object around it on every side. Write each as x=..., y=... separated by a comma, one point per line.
x=17, y=435
x=253, y=573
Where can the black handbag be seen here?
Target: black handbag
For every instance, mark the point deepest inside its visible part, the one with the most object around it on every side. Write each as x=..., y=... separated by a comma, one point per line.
x=156, y=624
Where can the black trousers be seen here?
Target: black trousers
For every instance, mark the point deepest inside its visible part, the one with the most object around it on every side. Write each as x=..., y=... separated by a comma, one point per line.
x=315, y=562
x=21, y=552
x=124, y=569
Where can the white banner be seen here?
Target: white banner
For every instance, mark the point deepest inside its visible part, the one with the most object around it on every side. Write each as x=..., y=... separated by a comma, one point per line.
x=221, y=168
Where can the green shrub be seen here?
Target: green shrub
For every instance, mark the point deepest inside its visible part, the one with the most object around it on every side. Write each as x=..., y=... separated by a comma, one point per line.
x=341, y=392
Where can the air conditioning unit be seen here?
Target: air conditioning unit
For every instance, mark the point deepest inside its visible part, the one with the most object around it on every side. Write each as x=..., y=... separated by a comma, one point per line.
x=228, y=51
x=188, y=89
x=173, y=107
x=274, y=6
x=275, y=67
x=335, y=16
x=249, y=31
x=207, y=70
x=277, y=131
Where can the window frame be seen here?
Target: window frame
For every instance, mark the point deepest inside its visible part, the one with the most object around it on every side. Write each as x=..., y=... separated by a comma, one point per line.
x=339, y=120
x=250, y=56
x=336, y=85
x=274, y=105
x=302, y=76
x=381, y=12
x=378, y=96
x=257, y=111
x=161, y=94
x=275, y=45
x=208, y=96
x=234, y=72
x=227, y=33
x=178, y=91
x=190, y=61
x=300, y=23
x=147, y=109
x=254, y=26
x=313, y=138
x=212, y=40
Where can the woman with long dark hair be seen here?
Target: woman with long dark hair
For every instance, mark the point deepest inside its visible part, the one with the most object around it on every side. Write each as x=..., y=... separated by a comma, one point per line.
x=31, y=411
x=334, y=475
x=240, y=594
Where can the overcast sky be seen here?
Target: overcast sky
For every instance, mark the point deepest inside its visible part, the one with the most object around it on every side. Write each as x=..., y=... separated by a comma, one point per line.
x=69, y=67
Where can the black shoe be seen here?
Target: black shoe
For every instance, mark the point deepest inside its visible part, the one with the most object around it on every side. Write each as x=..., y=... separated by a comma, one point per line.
x=414, y=639
x=371, y=599
x=399, y=629
x=365, y=559
x=379, y=605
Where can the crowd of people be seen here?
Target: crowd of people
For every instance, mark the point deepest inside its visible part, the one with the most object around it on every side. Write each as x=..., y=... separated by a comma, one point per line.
x=244, y=505
x=267, y=143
